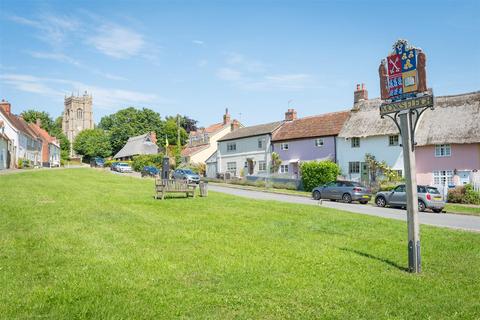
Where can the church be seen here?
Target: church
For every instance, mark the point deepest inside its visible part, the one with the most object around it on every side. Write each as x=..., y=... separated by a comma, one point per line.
x=77, y=116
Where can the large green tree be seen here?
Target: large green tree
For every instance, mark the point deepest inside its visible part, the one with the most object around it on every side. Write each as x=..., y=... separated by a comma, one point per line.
x=186, y=122
x=131, y=122
x=171, y=131
x=92, y=143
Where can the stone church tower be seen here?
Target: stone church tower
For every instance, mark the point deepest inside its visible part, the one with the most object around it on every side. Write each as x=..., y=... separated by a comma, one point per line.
x=77, y=116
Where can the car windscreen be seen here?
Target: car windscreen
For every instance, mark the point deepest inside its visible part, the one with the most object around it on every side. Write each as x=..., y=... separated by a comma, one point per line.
x=433, y=190
x=188, y=171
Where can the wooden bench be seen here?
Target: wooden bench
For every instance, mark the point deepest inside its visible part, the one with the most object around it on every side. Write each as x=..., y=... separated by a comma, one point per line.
x=163, y=186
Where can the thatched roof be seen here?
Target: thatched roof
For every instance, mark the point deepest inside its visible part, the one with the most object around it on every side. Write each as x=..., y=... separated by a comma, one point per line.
x=365, y=121
x=137, y=145
x=456, y=119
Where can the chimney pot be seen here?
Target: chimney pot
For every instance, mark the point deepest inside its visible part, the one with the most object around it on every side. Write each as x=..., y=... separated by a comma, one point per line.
x=226, y=117
x=290, y=115
x=360, y=94
x=5, y=106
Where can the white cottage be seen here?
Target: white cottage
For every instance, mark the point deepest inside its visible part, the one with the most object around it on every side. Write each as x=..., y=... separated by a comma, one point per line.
x=365, y=132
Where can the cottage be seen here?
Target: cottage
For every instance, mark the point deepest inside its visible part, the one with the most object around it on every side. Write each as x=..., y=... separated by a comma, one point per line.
x=203, y=142
x=365, y=132
x=448, y=141
x=247, y=151
x=50, y=146
x=5, y=149
x=26, y=145
x=138, y=145
x=306, y=139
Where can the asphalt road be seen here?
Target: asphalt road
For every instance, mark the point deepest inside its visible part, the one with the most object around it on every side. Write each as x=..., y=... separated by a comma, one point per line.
x=453, y=221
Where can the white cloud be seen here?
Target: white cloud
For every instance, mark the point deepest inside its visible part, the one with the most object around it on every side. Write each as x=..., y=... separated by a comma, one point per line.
x=117, y=41
x=229, y=74
x=104, y=98
x=199, y=42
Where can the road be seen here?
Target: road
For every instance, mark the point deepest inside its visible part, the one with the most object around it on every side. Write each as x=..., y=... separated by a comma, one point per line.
x=453, y=221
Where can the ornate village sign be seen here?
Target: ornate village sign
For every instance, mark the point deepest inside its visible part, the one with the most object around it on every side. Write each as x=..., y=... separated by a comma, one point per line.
x=403, y=87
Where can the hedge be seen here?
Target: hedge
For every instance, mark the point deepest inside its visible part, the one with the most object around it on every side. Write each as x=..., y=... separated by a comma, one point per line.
x=317, y=173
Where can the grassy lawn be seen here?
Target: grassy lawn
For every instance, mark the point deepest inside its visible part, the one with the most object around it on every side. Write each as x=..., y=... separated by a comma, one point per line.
x=81, y=243
x=463, y=209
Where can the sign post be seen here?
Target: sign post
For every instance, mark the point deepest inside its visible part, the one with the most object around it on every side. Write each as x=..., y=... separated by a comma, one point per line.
x=405, y=97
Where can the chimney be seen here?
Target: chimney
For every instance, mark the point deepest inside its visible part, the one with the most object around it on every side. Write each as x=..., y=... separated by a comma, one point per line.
x=153, y=137
x=38, y=122
x=360, y=94
x=5, y=106
x=234, y=125
x=290, y=115
x=226, y=117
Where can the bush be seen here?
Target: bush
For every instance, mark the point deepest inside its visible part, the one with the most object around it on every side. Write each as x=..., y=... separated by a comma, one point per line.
x=287, y=186
x=463, y=194
x=154, y=160
x=316, y=173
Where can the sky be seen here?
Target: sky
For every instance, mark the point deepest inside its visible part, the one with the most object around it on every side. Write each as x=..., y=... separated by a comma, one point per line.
x=196, y=58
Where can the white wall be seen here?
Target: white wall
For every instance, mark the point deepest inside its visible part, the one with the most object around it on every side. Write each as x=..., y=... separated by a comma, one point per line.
x=202, y=156
x=12, y=134
x=377, y=146
x=247, y=148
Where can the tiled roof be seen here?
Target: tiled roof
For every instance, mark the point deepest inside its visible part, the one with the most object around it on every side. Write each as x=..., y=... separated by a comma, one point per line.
x=43, y=134
x=328, y=124
x=188, y=151
x=19, y=124
x=252, y=131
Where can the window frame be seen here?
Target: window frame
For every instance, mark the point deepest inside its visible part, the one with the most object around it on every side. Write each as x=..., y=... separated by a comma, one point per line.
x=353, y=165
x=231, y=146
x=393, y=137
x=443, y=150
x=230, y=168
x=283, y=145
x=355, y=142
x=440, y=176
x=319, y=142
x=284, y=168
x=262, y=166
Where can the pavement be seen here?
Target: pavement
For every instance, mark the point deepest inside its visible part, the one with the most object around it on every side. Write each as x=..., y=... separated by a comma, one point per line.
x=452, y=221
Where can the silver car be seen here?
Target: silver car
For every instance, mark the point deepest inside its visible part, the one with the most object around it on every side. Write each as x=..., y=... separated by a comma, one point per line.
x=428, y=198
x=186, y=174
x=123, y=167
x=347, y=191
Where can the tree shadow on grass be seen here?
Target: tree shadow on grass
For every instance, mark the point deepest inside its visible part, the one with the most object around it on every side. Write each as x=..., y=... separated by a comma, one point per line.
x=367, y=255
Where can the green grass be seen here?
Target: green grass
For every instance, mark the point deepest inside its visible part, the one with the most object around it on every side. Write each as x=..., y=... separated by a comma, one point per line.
x=462, y=209
x=81, y=243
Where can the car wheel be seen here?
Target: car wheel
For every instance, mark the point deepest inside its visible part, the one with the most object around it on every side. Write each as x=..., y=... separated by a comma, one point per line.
x=316, y=195
x=347, y=198
x=437, y=210
x=380, y=202
x=421, y=206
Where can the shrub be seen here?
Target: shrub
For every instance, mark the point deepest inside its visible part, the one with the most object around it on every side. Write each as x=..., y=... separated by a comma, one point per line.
x=463, y=194
x=141, y=161
x=287, y=186
x=315, y=173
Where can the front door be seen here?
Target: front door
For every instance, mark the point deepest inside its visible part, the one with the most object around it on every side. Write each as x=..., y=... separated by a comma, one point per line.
x=250, y=166
x=364, y=174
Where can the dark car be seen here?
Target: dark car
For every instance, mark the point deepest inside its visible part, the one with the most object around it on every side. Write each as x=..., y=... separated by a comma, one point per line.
x=347, y=191
x=149, y=171
x=97, y=162
x=428, y=198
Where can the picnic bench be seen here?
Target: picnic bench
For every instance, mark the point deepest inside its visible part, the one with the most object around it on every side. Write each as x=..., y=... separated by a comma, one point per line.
x=163, y=186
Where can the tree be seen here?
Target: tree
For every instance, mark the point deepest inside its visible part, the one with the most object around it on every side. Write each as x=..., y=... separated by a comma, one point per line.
x=171, y=132
x=131, y=122
x=186, y=123
x=93, y=143
x=32, y=116
x=276, y=162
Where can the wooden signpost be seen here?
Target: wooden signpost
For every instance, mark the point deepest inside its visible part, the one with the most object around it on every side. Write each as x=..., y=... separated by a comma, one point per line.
x=405, y=97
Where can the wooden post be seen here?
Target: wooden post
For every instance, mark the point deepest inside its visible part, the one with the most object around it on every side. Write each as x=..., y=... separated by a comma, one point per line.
x=414, y=259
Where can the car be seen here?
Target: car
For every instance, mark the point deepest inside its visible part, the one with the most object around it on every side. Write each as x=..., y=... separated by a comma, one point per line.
x=186, y=174
x=347, y=191
x=97, y=162
x=123, y=167
x=149, y=171
x=113, y=166
x=428, y=198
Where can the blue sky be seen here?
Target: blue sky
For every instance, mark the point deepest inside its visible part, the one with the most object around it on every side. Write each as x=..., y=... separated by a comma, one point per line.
x=198, y=57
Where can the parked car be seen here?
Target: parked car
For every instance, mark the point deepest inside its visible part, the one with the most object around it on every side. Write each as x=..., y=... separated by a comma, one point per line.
x=347, y=191
x=428, y=198
x=123, y=167
x=97, y=162
x=186, y=174
x=113, y=166
x=149, y=171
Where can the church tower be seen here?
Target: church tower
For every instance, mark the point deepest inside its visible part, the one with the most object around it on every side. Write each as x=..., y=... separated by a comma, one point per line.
x=77, y=116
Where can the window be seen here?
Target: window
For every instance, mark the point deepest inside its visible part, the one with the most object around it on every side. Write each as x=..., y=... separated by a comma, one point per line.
x=319, y=142
x=443, y=150
x=232, y=167
x=246, y=164
x=440, y=176
x=393, y=140
x=79, y=114
x=400, y=188
x=261, y=143
x=284, y=168
x=262, y=166
x=231, y=146
x=284, y=146
x=355, y=142
x=354, y=167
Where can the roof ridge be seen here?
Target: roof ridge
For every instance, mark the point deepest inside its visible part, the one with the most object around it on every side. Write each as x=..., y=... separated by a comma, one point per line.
x=321, y=115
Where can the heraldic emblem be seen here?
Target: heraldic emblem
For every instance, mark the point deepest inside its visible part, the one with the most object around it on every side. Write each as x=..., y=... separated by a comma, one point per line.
x=402, y=73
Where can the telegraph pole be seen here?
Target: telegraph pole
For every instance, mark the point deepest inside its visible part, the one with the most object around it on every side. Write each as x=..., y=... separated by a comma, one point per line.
x=406, y=131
